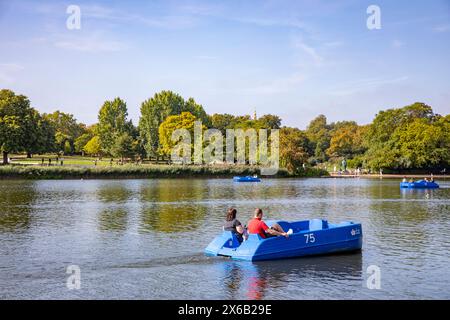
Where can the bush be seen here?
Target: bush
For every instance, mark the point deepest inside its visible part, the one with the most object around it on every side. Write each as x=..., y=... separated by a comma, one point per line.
x=133, y=171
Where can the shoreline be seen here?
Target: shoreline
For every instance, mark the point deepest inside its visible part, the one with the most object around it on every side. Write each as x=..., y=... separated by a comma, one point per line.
x=388, y=176
x=141, y=172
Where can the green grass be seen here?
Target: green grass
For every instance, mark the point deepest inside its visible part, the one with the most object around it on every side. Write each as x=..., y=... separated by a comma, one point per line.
x=68, y=160
x=77, y=167
x=135, y=171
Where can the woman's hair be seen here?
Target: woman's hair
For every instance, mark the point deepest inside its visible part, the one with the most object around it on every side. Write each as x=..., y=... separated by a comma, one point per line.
x=258, y=211
x=231, y=214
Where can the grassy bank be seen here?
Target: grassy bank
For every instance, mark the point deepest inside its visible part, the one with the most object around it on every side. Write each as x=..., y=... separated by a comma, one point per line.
x=138, y=172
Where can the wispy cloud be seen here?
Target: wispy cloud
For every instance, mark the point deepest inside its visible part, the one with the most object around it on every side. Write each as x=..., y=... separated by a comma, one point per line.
x=8, y=71
x=442, y=28
x=168, y=20
x=94, y=42
x=365, y=84
x=309, y=51
x=270, y=22
x=397, y=44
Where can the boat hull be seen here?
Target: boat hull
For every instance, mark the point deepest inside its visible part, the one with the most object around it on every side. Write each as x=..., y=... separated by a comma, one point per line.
x=305, y=241
x=419, y=185
x=246, y=179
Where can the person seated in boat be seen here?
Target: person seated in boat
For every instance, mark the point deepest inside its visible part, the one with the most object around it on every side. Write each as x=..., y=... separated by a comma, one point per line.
x=404, y=179
x=234, y=225
x=411, y=180
x=258, y=226
x=426, y=180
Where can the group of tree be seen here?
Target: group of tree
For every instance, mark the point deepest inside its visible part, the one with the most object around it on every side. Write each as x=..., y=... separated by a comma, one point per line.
x=411, y=137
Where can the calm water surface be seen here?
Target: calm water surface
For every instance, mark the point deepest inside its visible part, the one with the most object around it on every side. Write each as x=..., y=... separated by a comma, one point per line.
x=143, y=239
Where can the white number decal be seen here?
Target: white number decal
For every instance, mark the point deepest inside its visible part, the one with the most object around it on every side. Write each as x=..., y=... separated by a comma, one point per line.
x=310, y=238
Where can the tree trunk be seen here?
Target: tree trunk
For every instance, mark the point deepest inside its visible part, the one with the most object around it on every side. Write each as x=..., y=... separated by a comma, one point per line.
x=29, y=155
x=5, y=157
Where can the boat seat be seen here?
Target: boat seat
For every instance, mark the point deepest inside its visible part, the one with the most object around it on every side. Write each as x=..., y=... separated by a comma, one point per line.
x=318, y=224
x=233, y=241
x=287, y=225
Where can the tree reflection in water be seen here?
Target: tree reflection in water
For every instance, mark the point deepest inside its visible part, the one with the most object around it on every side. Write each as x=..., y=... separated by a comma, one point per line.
x=114, y=217
x=169, y=207
x=172, y=218
x=16, y=201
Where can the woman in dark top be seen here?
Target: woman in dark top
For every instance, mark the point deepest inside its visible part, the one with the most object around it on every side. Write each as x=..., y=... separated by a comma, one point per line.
x=234, y=225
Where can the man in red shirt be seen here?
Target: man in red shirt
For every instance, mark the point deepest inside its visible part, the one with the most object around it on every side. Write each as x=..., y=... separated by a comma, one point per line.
x=257, y=226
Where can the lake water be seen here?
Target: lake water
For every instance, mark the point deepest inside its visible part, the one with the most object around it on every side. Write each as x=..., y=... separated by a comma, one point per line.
x=144, y=239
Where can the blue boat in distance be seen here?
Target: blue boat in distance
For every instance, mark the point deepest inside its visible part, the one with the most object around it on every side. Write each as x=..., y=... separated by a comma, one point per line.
x=246, y=179
x=310, y=237
x=421, y=184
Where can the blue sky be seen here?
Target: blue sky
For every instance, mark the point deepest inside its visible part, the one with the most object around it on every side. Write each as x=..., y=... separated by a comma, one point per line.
x=296, y=59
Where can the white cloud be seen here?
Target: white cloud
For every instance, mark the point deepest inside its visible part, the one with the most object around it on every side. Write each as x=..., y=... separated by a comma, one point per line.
x=91, y=43
x=310, y=51
x=397, y=44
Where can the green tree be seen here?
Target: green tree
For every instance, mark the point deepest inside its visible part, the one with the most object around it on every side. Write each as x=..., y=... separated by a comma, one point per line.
x=269, y=121
x=124, y=146
x=155, y=110
x=82, y=140
x=112, y=123
x=422, y=144
x=41, y=136
x=318, y=134
x=16, y=123
x=293, y=144
x=93, y=147
x=197, y=111
x=347, y=141
x=222, y=122
x=183, y=121
x=66, y=128
x=382, y=140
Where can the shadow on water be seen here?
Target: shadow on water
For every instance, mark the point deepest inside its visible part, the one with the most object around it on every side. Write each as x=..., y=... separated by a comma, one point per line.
x=16, y=206
x=254, y=280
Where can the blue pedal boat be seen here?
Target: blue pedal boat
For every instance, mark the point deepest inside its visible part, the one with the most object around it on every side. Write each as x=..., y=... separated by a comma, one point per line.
x=421, y=184
x=310, y=237
x=246, y=179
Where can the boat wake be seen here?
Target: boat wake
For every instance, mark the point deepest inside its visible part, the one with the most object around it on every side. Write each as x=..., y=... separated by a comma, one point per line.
x=199, y=258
